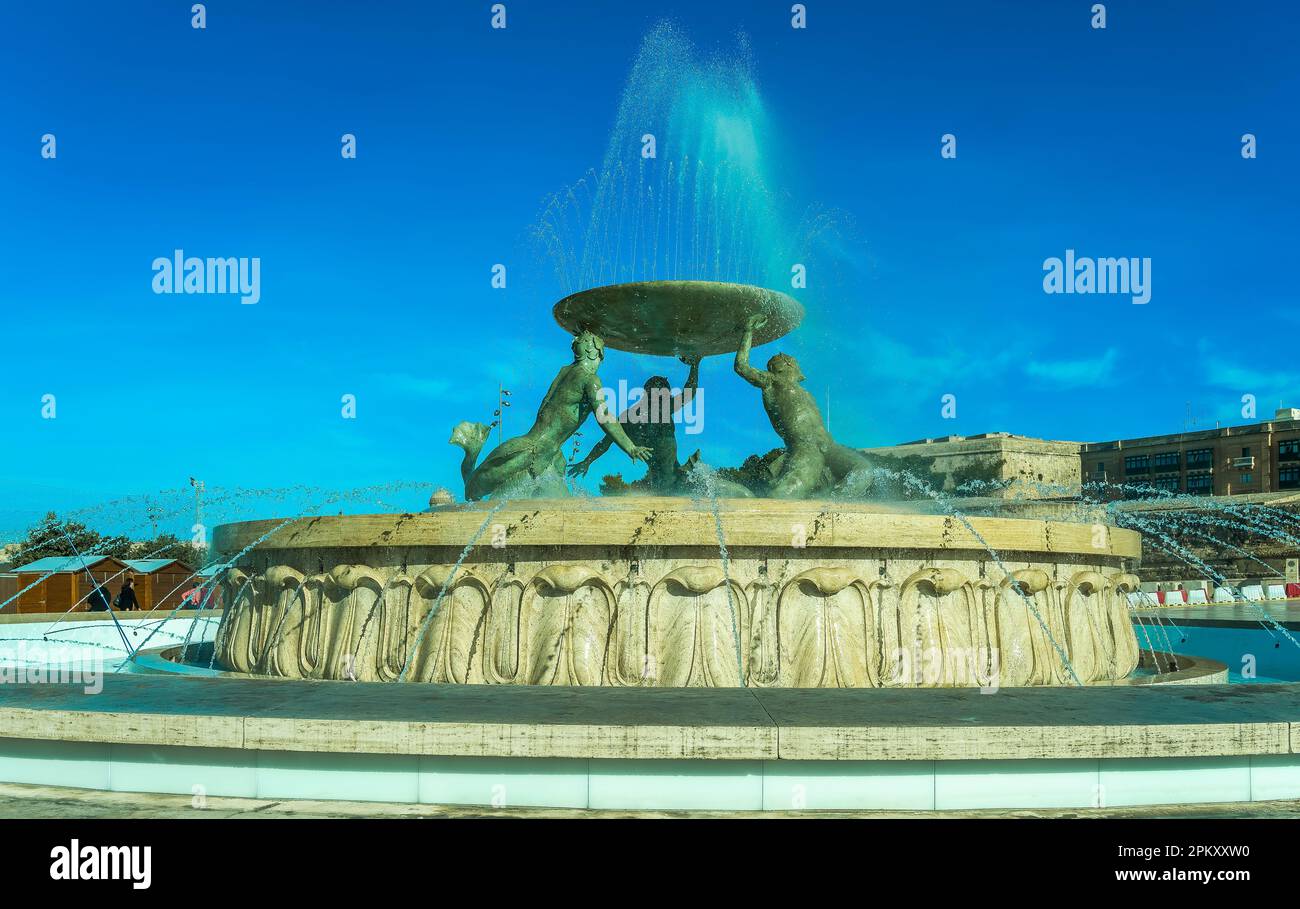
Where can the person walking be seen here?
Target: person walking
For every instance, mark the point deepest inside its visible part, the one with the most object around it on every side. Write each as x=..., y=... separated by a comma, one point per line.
x=126, y=596
x=98, y=599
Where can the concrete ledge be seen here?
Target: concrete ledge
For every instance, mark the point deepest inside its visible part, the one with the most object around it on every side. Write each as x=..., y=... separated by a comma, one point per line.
x=648, y=521
x=1024, y=723
x=30, y=618
x=662, y=724
x=523, y=740
x=875, y=743
x=122, y=727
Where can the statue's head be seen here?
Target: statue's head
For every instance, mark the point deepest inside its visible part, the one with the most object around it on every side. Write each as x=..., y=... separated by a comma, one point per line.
x=786, y=367
x=656, y=382
x=587, y=346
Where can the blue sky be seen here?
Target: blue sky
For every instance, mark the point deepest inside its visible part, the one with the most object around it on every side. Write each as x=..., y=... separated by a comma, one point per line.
x=376, y=271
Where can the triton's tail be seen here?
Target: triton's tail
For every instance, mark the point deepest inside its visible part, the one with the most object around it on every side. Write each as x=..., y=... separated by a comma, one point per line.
x=469, y=436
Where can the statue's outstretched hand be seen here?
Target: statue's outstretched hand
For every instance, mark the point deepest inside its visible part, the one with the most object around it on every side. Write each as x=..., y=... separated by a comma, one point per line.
x=579, y=469
x=756, y=322
x=640, y=453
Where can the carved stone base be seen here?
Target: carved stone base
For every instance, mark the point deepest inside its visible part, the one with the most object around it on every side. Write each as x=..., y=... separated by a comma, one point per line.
x=634, y=592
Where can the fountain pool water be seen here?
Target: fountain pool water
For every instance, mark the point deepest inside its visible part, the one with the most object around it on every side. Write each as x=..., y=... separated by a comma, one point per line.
x=91, y=645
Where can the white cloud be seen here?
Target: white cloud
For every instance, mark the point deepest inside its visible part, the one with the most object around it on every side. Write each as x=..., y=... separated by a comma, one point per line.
x=1219, y=371
x=1076, y=373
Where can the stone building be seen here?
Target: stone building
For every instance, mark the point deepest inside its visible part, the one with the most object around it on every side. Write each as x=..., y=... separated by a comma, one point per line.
x=1226, y=461
x=993, y=464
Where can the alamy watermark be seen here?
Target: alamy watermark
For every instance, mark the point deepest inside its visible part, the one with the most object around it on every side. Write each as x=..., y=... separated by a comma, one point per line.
x=918, y=665
x=1084, y=275
x=39, y=663
x=657, y=404
x=183, y=274
x=75, y=862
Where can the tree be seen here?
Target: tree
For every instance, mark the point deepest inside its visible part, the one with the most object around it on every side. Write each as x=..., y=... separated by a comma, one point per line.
x=169, y=546
x=613, y=484
x=755, y=474
x=54, y=536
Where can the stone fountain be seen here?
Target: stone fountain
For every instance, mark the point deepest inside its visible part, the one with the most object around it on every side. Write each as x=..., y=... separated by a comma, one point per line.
x=802, y=589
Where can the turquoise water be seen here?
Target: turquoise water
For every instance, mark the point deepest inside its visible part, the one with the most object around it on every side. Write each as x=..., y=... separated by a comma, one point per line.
x=1253, y=654
x=93, y=646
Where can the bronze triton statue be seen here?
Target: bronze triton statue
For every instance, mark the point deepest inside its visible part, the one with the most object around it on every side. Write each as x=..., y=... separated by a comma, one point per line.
x=812, y=459
x=527, y=464
x=649, y=422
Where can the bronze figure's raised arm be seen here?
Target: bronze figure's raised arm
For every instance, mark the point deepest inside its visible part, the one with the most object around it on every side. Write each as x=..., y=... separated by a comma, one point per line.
x=812, y=460
x=533, y=463
x=649, y=422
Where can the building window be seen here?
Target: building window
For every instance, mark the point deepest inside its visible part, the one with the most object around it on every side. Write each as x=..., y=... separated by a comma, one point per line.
x=1288, y=478
x=1200, y=484
x=1166, y=462
x=1247, y=479
x=1137, y=464
x=1289, y=451
x=1166, y=484
x=1245, y=451
x=1201, y=457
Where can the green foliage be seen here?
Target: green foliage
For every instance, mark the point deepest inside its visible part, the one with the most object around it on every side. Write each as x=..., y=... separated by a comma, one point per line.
x=55, y=536
x=755, y=474
x=169, y=546
x=613, y=484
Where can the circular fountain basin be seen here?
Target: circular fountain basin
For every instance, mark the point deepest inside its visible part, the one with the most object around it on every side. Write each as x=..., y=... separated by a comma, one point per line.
x=639, y=592
x=678, y=318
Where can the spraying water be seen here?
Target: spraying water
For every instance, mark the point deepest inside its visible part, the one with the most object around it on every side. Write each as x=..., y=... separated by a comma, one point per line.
x=705, y=477
x=684, y=190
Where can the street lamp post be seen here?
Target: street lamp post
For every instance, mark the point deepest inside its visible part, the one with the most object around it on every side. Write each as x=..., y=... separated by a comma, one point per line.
x=198, y=507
